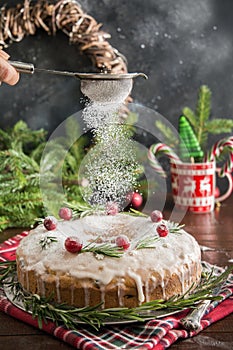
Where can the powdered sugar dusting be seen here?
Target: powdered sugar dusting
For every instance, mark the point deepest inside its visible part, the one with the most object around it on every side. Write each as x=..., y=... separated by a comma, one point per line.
x=97, y=114
x=110, y=167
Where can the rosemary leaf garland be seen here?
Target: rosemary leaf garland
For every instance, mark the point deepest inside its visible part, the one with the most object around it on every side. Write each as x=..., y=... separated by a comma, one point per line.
x=43, y=308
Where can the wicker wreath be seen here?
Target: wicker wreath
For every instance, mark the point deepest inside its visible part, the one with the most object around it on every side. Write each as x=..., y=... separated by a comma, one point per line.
x=67, y=16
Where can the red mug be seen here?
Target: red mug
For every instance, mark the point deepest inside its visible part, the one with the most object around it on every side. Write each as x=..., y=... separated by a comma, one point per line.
x=193, y=186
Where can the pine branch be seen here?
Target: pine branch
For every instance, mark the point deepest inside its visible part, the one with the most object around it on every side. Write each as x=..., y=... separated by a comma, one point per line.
x=170, y=138
x=20, y=153
x=132, y=118
x=191, y=116
x=219, y=126
x=4, y=222
x=203, y=114
x=77, y=150
x=21, y=138
x=203, y=104
x=200, y=119
x=4, y=140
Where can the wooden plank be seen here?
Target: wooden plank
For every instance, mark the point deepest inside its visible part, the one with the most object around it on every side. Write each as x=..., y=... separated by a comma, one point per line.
x=222, y=326
x=35, y=342
x=207, y=341
x=14, y=327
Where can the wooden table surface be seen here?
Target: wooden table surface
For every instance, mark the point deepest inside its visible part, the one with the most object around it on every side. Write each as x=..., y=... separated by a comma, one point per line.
x=213, y=230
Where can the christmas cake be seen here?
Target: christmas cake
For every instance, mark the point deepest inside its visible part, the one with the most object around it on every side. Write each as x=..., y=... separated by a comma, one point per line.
x=117, y=260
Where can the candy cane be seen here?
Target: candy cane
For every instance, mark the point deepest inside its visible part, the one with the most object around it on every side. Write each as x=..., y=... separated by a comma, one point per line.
x=225, y=144
x=157, y=150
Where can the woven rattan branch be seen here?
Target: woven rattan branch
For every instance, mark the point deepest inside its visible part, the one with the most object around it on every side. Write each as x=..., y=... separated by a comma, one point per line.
x=67, y=16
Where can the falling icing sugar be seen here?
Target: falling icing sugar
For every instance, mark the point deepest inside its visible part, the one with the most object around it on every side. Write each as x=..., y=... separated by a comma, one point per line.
x=97, y=114
x=110, y=167
x=106, y=98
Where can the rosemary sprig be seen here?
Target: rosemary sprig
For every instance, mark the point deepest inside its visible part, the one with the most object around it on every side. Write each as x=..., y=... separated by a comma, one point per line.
x=210, y=281
x=47, y=241
x=7, y=268
x=43, y=309
x=147, y=242
x=135, y=212
x=104, y=249
x=174, y=227
x=83, y=209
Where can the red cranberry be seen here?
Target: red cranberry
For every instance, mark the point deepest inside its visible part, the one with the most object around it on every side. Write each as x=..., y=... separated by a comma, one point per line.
x=112, y=208
x=123, y=242
x=162, y=230
x=65, y=213
x=136, y=200
x=50, y=223
x=156, y=216
x=73, y=244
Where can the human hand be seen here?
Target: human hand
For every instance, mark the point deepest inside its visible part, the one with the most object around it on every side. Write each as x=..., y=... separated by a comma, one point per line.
x=8, y=74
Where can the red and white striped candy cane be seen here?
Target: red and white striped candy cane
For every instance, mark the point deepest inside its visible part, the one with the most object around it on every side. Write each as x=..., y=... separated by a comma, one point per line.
x=220, y=146
x=157, y=150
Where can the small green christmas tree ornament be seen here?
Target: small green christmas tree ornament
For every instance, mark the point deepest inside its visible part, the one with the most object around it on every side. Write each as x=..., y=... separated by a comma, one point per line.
x=189, y=147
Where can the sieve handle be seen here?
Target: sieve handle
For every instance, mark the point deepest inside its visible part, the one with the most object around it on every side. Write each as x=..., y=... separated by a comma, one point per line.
x=29, y=68
x=23, y=67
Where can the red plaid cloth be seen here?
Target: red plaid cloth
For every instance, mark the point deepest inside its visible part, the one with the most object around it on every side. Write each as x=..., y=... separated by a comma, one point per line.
x=154, y=334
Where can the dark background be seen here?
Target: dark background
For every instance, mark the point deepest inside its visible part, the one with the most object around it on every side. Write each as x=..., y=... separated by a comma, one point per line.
x=179, y=44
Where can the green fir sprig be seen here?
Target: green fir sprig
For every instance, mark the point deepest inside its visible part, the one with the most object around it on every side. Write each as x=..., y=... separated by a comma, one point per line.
x=21, y=172
x=21, y=150
x=203, y=124
x=19, y=176
x=169, y=137
x=44, y=309
x=200, y=118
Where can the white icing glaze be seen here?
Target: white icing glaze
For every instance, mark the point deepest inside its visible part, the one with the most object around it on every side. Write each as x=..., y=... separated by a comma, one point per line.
x=170, y=254
x=120, y=284
x=58, y=289
x=138, y=280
